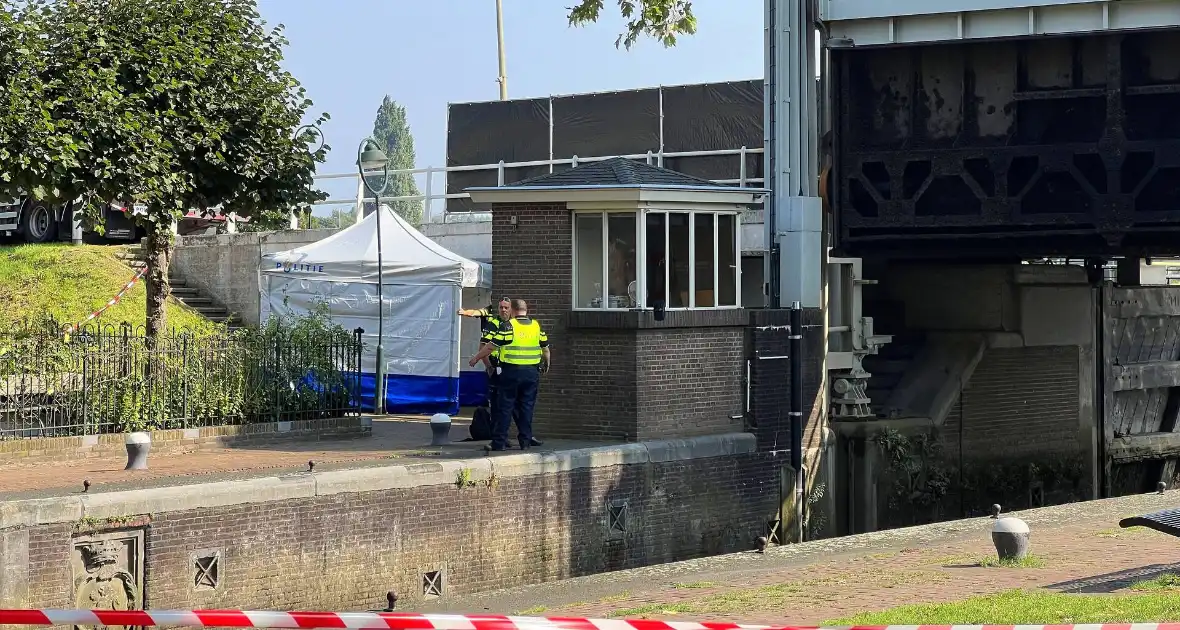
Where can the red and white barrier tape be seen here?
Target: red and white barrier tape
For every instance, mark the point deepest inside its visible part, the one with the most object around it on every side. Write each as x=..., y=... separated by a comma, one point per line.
x=113, y=301
x=382, y=620
x=415, y=621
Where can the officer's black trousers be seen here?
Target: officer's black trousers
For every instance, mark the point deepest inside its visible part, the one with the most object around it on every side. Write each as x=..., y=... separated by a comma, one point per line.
x=493, y=396
x=516, y=395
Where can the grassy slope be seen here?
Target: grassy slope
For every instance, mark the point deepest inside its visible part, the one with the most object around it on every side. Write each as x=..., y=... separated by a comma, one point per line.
x=69, y=282
x=1030, y=607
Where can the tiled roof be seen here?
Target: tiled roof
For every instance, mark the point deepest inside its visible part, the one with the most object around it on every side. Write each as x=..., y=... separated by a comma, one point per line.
x=616, y=172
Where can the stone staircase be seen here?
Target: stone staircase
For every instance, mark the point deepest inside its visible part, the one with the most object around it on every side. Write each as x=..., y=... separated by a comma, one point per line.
x=190, y=296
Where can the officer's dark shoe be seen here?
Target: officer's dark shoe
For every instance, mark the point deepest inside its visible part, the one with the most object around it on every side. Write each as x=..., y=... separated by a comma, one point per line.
x=494, y=449
x=524, y=446
x=535, y=442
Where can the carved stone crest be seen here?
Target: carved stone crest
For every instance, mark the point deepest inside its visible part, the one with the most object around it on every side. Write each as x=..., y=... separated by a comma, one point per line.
x=108, y=571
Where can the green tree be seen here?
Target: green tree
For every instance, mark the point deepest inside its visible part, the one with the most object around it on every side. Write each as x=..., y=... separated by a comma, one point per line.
x=393, y=131
x=662, y=20
x=177, y=104
x=28, y=145
x=338, y=218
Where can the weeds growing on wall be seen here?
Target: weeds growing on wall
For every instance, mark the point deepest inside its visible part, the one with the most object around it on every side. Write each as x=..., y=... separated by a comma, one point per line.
x=923, y=483
x=110, y=379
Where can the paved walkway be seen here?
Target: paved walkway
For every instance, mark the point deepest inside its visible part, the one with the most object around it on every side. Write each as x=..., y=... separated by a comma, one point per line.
x=394, y=438
x=1080, y=545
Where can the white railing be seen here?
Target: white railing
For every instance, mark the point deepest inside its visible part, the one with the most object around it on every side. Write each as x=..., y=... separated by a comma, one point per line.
x=429, y=196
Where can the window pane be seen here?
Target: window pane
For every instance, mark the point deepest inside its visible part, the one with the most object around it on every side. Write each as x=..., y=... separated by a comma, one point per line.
x=588, y=275
x=727, y=260
x=621, y=264
x=705, y=259
x=657, y=258
x=678, y=261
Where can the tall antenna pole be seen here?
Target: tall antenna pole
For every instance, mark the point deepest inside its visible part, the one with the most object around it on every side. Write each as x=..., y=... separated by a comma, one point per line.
x=503, y=78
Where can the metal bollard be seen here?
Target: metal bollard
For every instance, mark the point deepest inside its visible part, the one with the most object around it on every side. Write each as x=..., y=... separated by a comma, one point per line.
x=1010, y=536
x=138, y=444
x=440, y=429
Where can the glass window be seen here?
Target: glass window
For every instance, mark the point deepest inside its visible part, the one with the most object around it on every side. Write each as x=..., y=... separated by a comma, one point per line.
x=682, y=259
x=621, y=255
x=657, y=259
x=678, y=259
x=705, y=263
x=727, y=260
x=588, y=257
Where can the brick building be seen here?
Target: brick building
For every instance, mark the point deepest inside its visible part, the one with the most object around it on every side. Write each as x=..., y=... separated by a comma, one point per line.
x=634, y=271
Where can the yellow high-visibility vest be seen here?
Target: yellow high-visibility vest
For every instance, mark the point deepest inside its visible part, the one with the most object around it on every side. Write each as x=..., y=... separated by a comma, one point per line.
x=525, y=348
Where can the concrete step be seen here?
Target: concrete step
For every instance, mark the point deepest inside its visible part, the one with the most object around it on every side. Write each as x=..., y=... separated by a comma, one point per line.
x=183, y=292
x=178, y=282
x=210, y=310
x=195, y=301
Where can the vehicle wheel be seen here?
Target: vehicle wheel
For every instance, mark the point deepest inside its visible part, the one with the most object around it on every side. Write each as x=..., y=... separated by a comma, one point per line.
x=37, y=223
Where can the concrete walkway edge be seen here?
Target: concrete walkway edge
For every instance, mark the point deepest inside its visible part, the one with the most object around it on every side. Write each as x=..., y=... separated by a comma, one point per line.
x=103, y=505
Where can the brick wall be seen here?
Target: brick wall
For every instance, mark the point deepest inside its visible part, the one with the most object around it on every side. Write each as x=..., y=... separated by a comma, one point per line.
x=616, y=375
x=690, y=381
x=345, y=551
x=602, y=386
x=1019, y=402
x=532, y=260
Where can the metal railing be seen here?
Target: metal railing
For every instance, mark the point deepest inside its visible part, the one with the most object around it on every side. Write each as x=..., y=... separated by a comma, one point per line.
x=429, y=196
x=113, y=379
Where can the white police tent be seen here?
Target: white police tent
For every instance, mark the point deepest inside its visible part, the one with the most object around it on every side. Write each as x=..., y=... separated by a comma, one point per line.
x=426, y=342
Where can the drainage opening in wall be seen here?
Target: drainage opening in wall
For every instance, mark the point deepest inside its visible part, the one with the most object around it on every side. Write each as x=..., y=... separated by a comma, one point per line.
x=432, y=584
x=773, y=527
x=616, y=521
x=207, y=570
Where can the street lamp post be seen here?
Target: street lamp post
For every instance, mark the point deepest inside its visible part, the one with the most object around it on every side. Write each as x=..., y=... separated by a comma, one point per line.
x=370, y=158
x=502, y=79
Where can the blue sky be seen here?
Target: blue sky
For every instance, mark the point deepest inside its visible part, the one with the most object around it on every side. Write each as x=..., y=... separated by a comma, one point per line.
x=427, y=53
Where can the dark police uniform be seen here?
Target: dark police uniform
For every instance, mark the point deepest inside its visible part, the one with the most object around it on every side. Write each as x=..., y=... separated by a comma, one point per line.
x=489, y=324
x=519, y=342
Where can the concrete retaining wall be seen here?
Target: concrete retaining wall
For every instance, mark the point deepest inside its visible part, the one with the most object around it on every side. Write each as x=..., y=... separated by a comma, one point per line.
x=339, y=540
x=225, y=266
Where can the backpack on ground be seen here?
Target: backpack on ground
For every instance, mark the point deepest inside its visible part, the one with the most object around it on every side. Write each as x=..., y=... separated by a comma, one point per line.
x=481, y=425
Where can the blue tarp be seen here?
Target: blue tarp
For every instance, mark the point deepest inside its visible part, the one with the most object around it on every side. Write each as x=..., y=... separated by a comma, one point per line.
x=425, y=394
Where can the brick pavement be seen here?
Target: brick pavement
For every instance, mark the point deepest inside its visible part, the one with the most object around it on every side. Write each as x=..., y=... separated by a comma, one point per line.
x=841, y=577
x=394, y=437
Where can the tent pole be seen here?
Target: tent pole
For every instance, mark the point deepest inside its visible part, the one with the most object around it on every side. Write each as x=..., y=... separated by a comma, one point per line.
x=379, y=406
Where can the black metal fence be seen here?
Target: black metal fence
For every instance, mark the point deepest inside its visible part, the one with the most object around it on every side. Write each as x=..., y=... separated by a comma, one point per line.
x=113, y=379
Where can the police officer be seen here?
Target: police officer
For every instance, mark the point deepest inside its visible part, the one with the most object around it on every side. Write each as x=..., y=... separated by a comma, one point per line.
x=490, y=323
x=524, y=354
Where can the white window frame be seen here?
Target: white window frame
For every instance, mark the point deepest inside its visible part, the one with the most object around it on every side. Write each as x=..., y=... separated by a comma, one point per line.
x=641, y=215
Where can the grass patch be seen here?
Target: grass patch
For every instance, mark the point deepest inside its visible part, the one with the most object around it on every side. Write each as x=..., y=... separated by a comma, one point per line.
x=1119, y=532
x=1027, y=607
x=68, y=282
x=1028, y=562
x=694, y=585
x=530, y=612
x=1165, y=582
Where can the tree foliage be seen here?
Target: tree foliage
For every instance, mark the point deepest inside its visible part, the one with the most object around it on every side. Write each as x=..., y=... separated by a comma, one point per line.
x=662, y=20
x=176, y=104
x=337, y=218
x=392, y=130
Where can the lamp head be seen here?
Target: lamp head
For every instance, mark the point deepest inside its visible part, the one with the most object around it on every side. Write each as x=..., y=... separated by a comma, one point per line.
x=372, y=158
